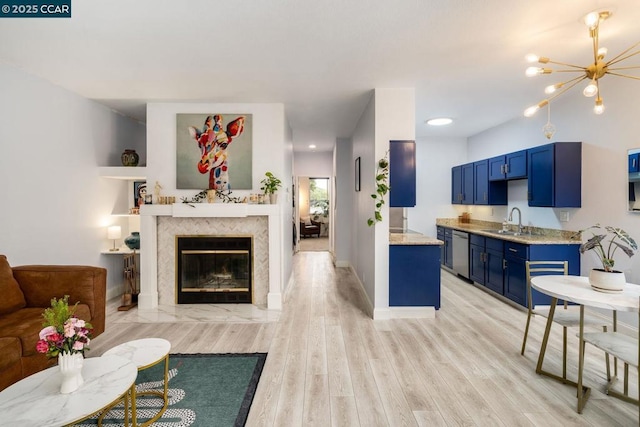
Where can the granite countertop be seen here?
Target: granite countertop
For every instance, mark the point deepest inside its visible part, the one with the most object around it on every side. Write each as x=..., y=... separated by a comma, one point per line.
x=534, y=236
x=409, y=237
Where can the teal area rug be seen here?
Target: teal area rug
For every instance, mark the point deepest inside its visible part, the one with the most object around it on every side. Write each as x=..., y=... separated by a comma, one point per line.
x=204, y=390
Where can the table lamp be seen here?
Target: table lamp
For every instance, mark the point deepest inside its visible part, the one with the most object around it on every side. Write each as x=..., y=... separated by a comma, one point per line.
x=114, y=232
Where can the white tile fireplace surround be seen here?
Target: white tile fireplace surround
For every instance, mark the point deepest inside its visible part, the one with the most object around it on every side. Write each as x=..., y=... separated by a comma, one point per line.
x=160, y=224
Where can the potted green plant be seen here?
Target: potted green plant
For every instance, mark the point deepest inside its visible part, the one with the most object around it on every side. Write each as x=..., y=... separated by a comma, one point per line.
x=382, y=188
x=608, y=279
x=270, y=186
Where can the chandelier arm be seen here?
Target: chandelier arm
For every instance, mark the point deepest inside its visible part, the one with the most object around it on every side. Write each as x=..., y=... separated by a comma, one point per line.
x=624, y=75
x=560, y=92
x=565, y=64
x=635, y=67
x=620, y=57
x=595, y=44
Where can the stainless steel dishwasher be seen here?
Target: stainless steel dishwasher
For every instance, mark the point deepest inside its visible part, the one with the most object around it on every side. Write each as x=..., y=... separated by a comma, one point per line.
x=460, y=244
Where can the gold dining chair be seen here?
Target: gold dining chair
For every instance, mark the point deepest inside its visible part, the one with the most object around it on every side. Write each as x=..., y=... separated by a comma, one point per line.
x=620, y=346
x=567, y=317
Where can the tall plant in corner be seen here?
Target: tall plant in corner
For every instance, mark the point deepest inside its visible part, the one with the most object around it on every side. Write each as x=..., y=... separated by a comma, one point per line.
x=382, y=188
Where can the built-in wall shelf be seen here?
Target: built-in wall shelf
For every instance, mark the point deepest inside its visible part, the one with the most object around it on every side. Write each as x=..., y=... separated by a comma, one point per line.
x=130, y=173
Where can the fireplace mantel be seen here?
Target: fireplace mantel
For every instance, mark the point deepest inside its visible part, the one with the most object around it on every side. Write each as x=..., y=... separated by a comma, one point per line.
x=148, y=298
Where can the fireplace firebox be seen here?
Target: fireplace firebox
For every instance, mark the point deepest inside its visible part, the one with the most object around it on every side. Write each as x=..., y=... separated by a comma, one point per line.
x=213, y=269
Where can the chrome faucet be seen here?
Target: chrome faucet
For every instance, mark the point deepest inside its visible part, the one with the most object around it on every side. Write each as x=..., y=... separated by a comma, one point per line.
x=519, y=219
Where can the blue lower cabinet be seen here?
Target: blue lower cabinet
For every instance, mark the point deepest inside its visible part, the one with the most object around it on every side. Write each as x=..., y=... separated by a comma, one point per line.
x=414, y=276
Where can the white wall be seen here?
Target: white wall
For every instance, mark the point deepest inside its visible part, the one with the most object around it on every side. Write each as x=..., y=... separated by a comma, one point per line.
x=272, y=151
x=606, y=139
x=55, y=207
x=313, y=164
x=434, y=159
x=389, y=115
x=344, y=201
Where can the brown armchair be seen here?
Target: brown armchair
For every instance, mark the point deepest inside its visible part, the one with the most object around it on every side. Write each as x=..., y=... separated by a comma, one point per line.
x=309, y=230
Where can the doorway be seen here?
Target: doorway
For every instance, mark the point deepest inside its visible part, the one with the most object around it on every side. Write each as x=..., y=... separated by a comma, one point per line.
x=314, y=212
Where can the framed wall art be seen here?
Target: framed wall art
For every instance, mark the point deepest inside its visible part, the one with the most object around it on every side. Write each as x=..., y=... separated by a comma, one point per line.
x=357, y=171
x=139, y=191
x=214, y=151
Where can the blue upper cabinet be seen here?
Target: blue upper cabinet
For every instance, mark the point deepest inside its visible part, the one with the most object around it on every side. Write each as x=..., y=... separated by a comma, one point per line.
x=633, y=162
x=555, y=175
x=508, y=166
x=487, y=192
x=402, y=174
x=462, y=184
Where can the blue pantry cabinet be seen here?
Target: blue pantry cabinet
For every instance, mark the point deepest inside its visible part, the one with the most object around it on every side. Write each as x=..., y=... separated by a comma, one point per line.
x=402, y=174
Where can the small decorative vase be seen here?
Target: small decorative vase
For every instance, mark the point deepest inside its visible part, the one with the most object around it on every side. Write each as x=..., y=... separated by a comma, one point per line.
x=71, y=371
x=273, y=199
x=211, y=196
x=133, y=241
x=130, y=158
x=607, y=281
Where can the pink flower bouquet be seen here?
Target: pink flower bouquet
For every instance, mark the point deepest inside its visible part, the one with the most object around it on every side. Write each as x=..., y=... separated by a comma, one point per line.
x=63, y=332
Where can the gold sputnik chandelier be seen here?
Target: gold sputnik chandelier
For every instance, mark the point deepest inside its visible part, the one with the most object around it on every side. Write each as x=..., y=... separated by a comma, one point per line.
x=594, y=72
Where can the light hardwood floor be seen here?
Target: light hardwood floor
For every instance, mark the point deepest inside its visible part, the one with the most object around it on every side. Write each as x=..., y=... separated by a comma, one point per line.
x=331, y=365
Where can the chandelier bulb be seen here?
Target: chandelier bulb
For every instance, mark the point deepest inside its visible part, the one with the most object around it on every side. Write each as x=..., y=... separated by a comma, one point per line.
x=552, y=88
x=602, y=52
x=591, y=89
x=532, y=71
x=599, y=107
x=531, y=57
x=592, y=19
x=529, y=112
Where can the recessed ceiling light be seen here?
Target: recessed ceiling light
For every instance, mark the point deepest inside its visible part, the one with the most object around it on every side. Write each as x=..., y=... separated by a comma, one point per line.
x=439, y=121
x=312, y=146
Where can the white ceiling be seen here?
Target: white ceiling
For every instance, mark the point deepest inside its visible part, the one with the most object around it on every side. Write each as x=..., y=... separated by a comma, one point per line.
x=321, y=59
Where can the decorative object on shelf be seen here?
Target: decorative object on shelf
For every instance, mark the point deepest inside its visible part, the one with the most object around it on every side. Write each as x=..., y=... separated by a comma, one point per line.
x=133, y=241
x=607, y=279
x=139, y=193
x=114, y=232
x=211, y=196
x=66, y=337
x=594, y=72
x=270, y=186
x=209, y=156
x=130, y=158
x=203, y=195
x=382, y=188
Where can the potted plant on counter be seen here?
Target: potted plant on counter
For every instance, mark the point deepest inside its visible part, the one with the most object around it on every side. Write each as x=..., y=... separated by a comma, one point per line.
x=270, y=185
x=607, y=279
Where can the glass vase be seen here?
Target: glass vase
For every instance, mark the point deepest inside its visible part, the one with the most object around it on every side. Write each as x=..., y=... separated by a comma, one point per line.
x=71, y=371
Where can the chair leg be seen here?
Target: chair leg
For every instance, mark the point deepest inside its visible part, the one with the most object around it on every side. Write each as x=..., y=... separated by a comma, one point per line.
x=564, y=352
x=526, y=332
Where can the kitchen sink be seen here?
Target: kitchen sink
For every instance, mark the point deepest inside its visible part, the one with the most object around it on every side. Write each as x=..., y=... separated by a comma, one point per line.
x=505, y=233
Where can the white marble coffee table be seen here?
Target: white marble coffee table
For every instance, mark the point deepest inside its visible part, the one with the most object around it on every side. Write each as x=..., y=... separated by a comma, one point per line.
x=37, y=401
x=145, y=353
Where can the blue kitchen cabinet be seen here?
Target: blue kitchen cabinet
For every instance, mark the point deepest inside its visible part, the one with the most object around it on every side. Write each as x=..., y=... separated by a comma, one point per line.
x=462, y=184
x=402, y=174
x=414, y=276
x=508, y=166
x=446, y=250
x=487, y=192
x=485, y=262
x=516, y=255
x=633, y=162
x=555, y=175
